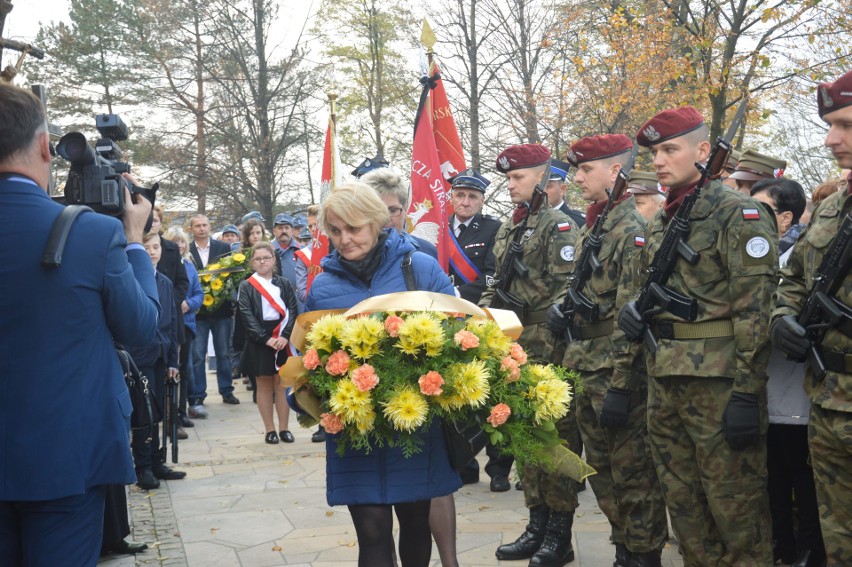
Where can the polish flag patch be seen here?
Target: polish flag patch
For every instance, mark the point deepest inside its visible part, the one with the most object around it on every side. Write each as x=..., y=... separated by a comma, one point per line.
x=639, y=240
x=751, y=214
x=563, y=226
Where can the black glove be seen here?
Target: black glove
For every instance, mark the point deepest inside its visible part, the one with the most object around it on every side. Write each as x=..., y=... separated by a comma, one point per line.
x=791, y=338
x=616, y=406
x=556, y=321
x=630, y=321
x=741, y=422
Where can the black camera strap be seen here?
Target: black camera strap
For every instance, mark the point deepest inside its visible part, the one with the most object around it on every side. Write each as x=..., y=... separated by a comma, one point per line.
x=52, y=257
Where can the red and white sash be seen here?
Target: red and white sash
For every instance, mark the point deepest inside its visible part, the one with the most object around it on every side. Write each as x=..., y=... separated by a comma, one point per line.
x=270, y=294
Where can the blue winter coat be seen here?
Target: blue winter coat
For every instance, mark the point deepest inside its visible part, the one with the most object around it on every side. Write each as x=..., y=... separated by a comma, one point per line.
x=194, y=296
x=384, y=476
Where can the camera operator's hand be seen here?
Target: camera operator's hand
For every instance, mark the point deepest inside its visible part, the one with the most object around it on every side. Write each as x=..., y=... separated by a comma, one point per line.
x=172, y=373
x=137, y=211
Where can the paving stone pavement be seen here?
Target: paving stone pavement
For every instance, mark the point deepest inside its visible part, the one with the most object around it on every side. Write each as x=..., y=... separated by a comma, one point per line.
x=245, y=503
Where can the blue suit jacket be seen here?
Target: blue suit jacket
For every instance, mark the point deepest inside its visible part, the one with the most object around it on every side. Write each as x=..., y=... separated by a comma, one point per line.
x=64, y=406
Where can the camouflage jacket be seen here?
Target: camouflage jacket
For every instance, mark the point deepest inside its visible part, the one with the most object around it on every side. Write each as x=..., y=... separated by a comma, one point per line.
x=623, y=237
x=548, y=252
x=797, y=278
x=732, y=282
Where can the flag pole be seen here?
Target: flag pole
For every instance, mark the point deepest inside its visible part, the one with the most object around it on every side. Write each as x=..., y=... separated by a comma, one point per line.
x=332, y=98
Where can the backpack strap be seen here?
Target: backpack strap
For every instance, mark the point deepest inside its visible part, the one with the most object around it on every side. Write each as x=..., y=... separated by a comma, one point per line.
x=52, y=257
x=408, y=272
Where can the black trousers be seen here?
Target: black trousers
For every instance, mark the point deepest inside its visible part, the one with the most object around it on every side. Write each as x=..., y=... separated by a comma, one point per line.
x=147, y=455
x=116, y=524
x=791, y=487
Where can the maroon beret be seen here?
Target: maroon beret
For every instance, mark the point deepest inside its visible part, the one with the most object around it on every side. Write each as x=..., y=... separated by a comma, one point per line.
x=521, y=157
x=592, y=148
x=834, y=96
x=669, y=124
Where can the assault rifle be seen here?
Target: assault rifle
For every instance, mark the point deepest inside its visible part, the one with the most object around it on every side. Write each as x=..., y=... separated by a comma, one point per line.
x=588, y=264
x=513, y=265
x=655, y=296
x=821, y=310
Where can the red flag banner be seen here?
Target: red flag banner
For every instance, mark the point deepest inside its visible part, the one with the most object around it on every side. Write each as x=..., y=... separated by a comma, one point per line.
x=319, y=244
x=427, y=214
x=447, y=140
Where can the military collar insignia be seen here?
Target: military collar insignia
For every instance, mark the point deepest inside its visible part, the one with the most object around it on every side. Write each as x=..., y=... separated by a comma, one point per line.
x=474, y=224
x=489, y=281
x=651, y=133
x=504, y=162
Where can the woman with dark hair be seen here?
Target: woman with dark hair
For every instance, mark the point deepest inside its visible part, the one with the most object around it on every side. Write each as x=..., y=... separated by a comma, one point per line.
x=267, y=310
x=367, y=261
x=252, y=233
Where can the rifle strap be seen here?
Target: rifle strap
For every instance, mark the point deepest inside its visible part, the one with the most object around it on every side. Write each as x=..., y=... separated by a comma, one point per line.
x=595, y=330
x=836, y=361
x=535, y=317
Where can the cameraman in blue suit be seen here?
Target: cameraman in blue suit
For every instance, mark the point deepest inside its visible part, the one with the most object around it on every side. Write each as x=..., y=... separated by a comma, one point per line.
x=64, y=406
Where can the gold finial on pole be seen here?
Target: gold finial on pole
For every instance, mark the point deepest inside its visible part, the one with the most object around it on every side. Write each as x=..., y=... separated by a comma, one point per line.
x=428, y=39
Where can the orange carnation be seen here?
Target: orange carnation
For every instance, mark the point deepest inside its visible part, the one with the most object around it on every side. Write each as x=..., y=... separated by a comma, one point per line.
x=518, y=353
x=510, y=365
x=392, y=324
x=466, y=340
x=338, y=363
x=499, y=414
x=365, y=378
x=430, y=384
x=331, y=423
x=311, y=359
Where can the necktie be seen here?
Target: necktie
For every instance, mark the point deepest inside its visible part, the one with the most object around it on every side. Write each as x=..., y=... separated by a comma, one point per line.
x=460, y=230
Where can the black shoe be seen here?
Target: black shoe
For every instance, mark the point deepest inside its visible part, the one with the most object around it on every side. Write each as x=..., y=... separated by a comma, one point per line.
x=556, y=549
x=230, y=399
x=185, y=422
x=318, y=436
x=519, y=485
x=127, y=547
x=622, y=556
x=286, y=436
x=165, y=473
x=146, y=479
x=250, y=387
x=500, y=483
x=271, y=438
x=530, y=541
x=469, y=478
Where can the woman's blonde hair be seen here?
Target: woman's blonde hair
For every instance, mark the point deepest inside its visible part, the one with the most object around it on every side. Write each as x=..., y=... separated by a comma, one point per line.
x=357, y=204
x=175, y=234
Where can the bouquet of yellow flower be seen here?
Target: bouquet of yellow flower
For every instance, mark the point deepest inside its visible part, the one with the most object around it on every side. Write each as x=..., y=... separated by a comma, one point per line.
x=221, y=279
x=384, y=376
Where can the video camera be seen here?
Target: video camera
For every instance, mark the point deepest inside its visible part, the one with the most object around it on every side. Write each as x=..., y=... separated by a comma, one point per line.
x=95, y=178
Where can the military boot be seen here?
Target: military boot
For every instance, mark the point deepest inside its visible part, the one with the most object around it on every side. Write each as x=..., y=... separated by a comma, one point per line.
x=646, y=559
x=556, y=549
x=622, y=555
x=525, y=546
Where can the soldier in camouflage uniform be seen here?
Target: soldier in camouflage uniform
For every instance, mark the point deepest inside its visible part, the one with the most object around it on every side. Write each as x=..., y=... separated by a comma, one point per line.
x=707, y=412
x=830, y=425
x=548, y=252
x=611, y=405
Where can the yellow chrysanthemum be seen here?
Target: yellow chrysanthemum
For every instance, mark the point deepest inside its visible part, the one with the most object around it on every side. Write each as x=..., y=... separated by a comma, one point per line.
x=449, y=402
x=361, y=337
x=539, y=372
x=470, y=382
x=239, y=258
x=349, y=403
x=493, y=342
x=212, y=267
x=551, y=399
x=216, y=284
x=208, y=300
x=406, y=410
x=365, y=420
x=325, y=329
x=206, y=278
x=421, y=331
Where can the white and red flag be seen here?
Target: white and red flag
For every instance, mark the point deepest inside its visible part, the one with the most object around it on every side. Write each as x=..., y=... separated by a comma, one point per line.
x=328, y=179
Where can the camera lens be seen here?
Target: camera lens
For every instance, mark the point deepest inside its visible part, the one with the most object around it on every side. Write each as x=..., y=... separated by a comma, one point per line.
x=74, y=147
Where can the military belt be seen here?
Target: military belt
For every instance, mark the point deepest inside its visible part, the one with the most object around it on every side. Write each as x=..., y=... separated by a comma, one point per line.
x=672, y=330
x=836, y=361
x=535, y=317
x=594, y=331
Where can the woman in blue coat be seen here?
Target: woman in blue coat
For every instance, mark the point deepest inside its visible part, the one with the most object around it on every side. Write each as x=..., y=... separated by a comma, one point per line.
x=367, y=261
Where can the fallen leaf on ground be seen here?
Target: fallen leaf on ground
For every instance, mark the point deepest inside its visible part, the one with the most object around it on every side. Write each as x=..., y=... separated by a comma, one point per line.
x=329, y=514
x=276, y=548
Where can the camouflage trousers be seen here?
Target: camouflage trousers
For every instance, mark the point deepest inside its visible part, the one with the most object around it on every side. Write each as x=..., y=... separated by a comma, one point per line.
x=559, y=493
x=626, y=485
x=717, y=497
x=830, y=441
